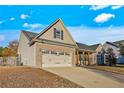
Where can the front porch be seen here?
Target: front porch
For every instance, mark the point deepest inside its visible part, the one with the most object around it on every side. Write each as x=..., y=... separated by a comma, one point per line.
x=85, y=57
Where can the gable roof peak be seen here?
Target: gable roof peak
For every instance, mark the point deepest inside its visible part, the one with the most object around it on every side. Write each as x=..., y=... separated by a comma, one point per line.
x=51, y=25
x=59, y=19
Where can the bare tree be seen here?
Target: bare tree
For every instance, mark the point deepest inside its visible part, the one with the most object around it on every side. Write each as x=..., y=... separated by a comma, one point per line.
x=13, y=45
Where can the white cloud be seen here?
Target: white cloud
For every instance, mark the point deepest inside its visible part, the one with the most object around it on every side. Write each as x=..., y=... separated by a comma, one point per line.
x=116, y=7
x=34, y=26
x=1, y=37
x=25, y=25
x=98, y=7
x=103, y=17
x=90, y=36
x=24, y=16
x=12, y=19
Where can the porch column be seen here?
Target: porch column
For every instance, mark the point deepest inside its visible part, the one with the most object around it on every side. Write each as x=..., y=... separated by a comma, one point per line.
x=94, y=58
x=83, y=57
x=77, y=57
x=88, y=58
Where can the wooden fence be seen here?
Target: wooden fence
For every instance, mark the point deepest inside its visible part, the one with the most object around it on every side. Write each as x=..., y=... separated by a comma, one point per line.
x=8, y=61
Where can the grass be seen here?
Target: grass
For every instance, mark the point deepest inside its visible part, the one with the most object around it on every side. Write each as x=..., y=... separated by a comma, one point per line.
x=26, y=77
x=120, y=65
x=117, y=69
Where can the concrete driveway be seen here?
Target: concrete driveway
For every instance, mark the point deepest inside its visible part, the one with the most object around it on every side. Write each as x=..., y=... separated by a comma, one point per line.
x=85, y=77
x=114, y=76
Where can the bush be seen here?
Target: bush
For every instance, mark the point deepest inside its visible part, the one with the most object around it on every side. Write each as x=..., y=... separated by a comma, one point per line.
x=21, y=64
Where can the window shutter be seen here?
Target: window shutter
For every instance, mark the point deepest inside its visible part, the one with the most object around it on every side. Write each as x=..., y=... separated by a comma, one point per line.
x=62, y=35
x=54, y=32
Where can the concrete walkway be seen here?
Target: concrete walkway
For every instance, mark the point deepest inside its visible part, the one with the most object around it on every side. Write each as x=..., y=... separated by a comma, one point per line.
x=85, y=77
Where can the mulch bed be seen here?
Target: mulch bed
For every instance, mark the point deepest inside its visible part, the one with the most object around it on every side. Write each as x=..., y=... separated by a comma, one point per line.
x=26, y=77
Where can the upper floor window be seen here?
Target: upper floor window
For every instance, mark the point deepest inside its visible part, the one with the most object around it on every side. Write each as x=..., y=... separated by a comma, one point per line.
x=58, y=34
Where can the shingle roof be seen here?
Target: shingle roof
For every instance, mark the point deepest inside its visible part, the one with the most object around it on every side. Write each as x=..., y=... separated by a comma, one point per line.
x=94, y=47
x=113, y=44
x=119, y=42
x=30, y=35
x=83, y=46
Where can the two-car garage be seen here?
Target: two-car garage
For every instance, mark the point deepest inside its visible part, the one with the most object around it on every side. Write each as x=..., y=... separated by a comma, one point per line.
x=55, y=59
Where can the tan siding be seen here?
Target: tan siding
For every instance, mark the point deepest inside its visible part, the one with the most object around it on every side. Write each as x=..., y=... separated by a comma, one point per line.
x=49, y=35
x=27, y=52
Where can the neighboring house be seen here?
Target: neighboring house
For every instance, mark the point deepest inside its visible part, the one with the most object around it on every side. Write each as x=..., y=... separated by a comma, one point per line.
x=119, y=42
x=112, y=45
x=98, y=50
x=115, y=46
x=53, y=47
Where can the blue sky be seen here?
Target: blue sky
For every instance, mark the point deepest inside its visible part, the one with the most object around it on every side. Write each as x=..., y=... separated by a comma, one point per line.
x=87, y=24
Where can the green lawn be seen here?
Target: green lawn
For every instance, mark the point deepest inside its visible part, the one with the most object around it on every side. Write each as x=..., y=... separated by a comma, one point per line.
x=119, y=65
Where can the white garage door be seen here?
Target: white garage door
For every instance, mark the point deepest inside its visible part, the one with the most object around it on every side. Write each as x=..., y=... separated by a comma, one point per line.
x=55, y=59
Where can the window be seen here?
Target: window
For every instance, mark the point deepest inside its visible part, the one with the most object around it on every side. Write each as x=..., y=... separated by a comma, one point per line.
x=45, y=51
x=53, y=52
x=58, y=34
x=61, y=53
